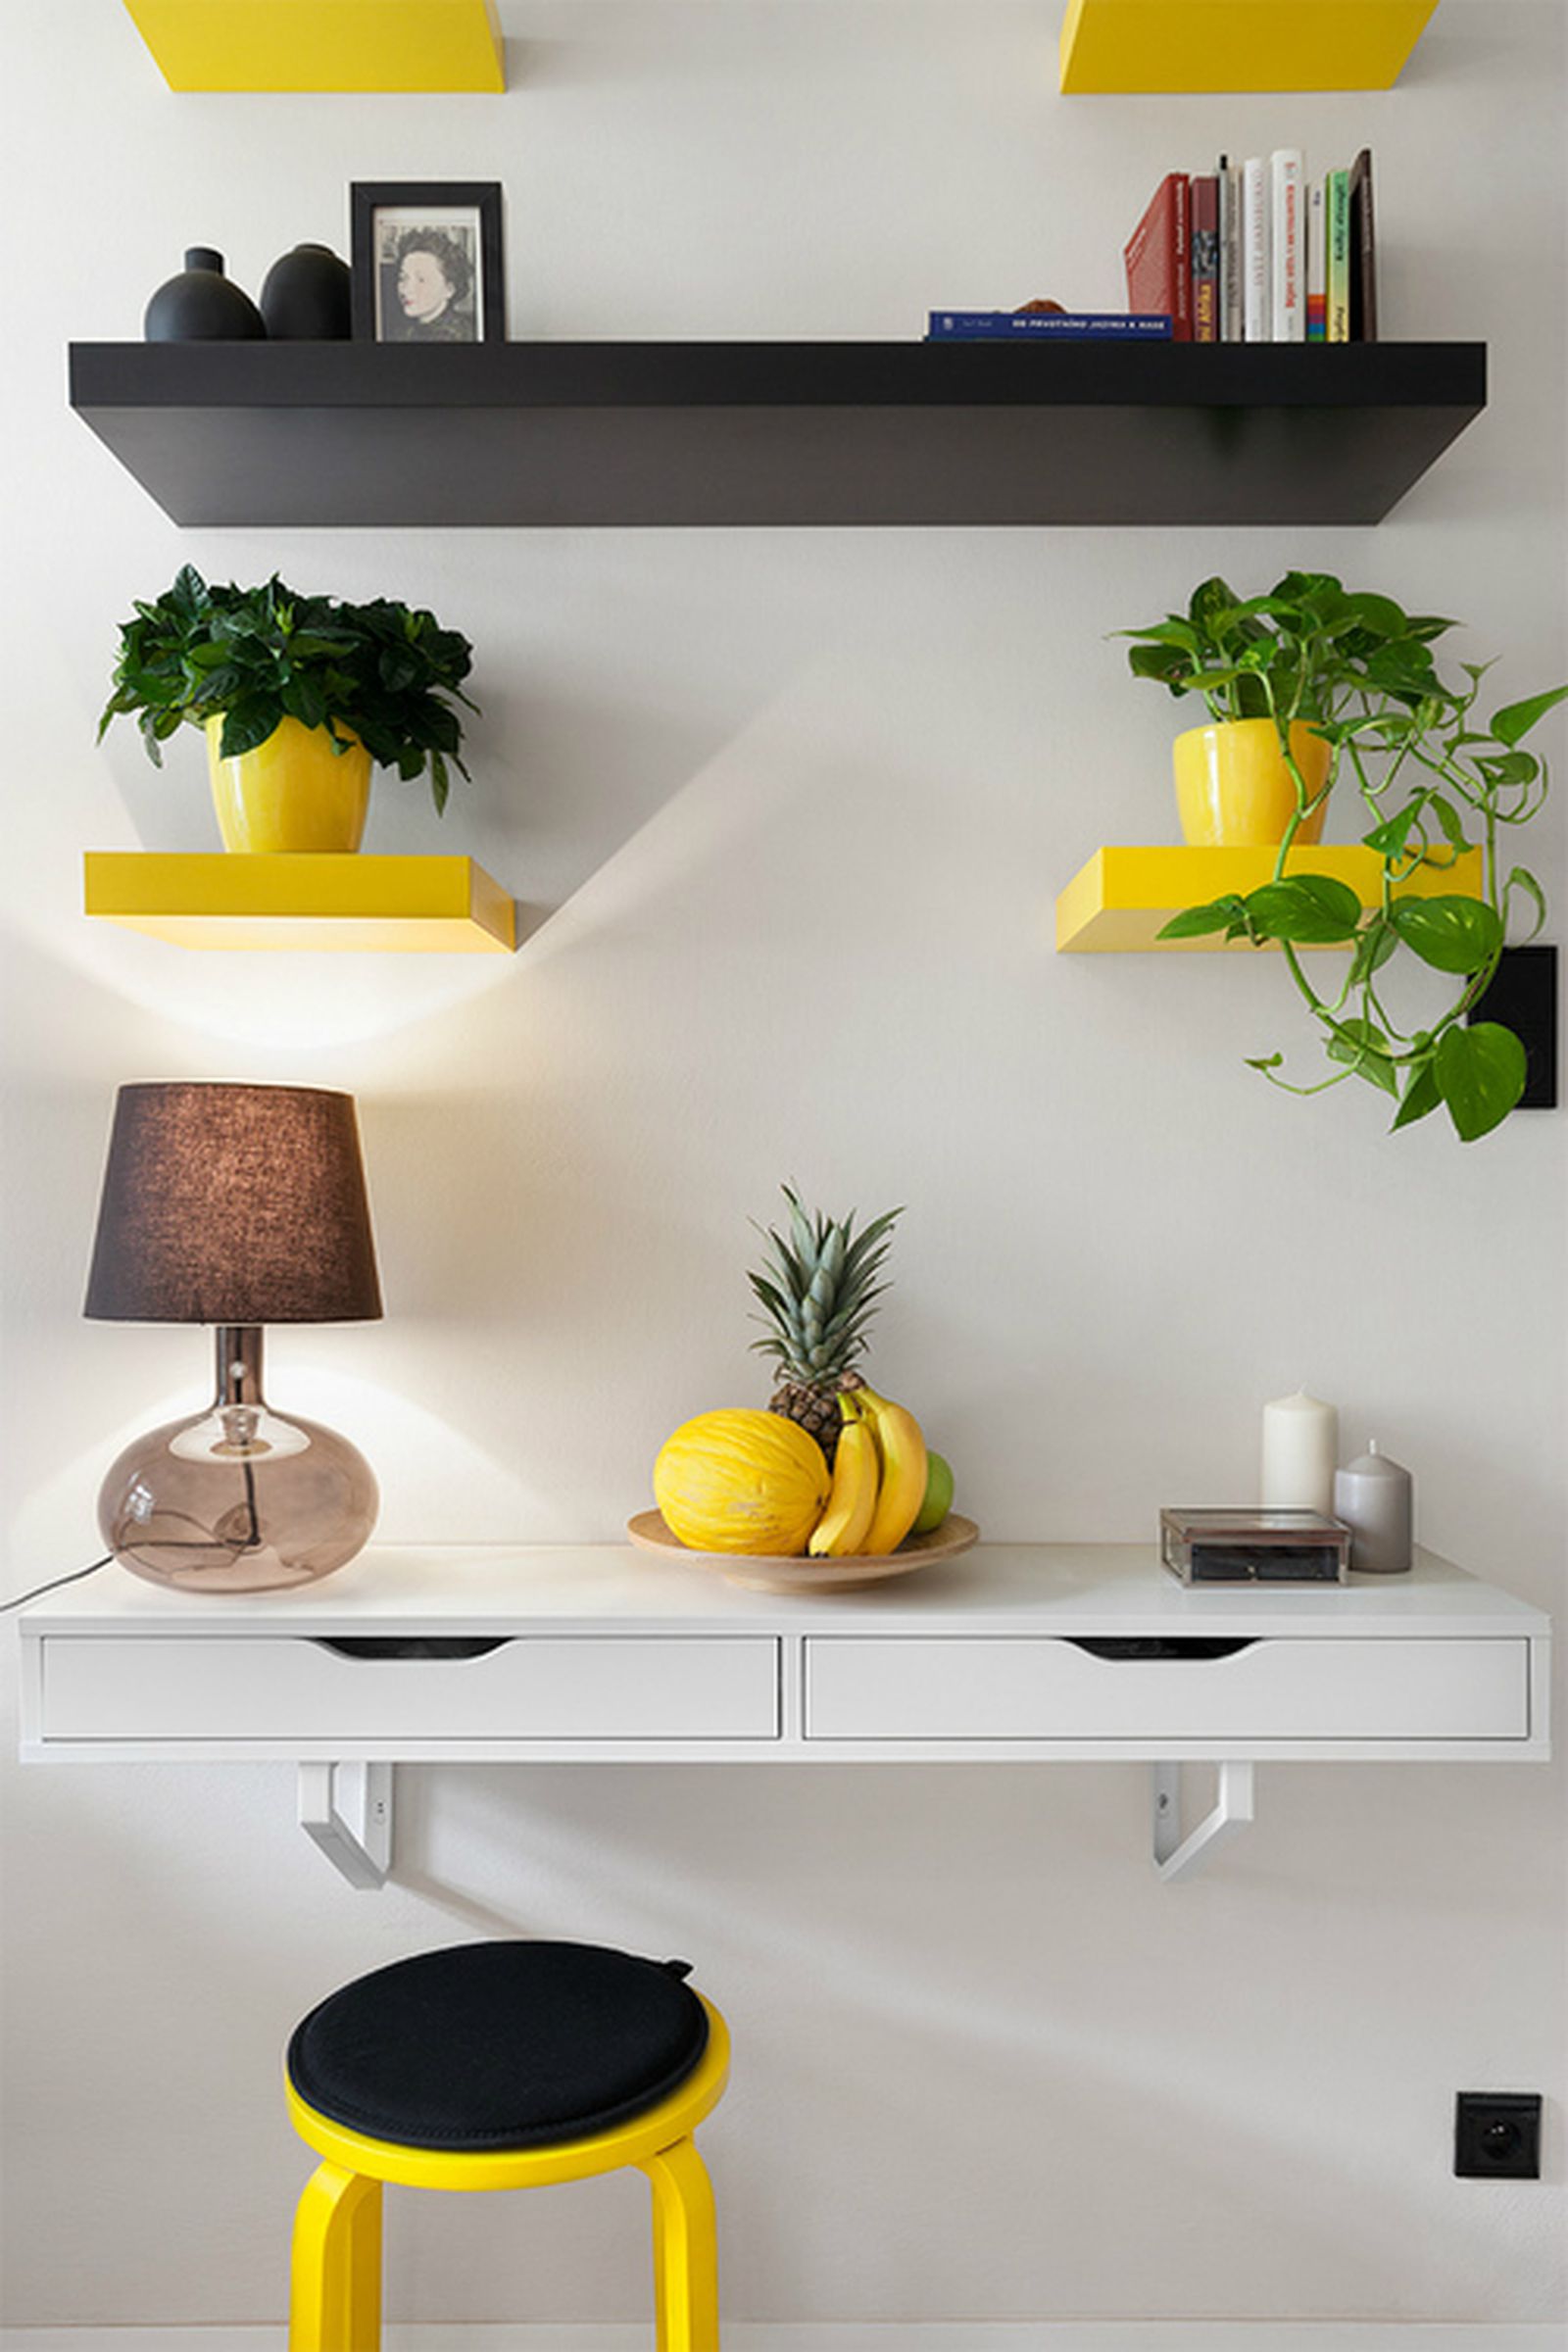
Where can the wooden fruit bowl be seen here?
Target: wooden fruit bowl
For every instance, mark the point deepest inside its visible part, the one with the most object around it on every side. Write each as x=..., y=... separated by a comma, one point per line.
x=781, y=1572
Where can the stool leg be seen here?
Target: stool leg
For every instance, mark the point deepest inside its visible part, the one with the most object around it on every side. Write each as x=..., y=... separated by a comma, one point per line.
x=685, y=2250
x=335, y=2297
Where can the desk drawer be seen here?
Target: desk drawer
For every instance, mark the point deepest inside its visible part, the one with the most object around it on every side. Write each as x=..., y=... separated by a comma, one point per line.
x=609, y=1687
x=986, y=1687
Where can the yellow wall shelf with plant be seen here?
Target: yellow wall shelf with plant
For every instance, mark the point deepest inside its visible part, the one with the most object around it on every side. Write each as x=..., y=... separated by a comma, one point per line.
x=1119, y=901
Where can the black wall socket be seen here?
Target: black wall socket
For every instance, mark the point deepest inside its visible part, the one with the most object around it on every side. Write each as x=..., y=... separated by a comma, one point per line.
x=1496, y=2135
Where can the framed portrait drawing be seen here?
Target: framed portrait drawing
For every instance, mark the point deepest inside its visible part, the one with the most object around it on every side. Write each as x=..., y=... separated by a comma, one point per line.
x=427, y=262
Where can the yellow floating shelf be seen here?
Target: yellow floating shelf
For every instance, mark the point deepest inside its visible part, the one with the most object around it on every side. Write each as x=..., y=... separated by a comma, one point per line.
x=381, y=906
x=1133, y=45
x=323, y=44
x=1117, y=905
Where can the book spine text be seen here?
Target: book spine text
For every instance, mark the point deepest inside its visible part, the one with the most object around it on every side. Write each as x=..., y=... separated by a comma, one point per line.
x=1288, y=263
x=1255, y=313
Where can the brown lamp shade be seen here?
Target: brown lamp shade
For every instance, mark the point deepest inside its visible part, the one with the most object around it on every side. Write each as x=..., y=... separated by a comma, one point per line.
x=233, y=1204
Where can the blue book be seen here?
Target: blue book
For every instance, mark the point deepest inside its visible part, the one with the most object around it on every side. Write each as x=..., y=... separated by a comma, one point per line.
x=1061, y=326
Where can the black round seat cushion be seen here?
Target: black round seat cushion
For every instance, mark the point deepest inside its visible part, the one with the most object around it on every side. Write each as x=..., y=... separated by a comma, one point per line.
x=499, y=2045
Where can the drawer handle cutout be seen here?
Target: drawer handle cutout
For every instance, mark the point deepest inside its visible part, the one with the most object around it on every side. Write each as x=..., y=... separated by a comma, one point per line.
x=411, y=1645
x=1192, y=1646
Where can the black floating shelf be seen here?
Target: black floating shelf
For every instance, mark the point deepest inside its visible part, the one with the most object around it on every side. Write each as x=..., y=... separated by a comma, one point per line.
x=661, y=433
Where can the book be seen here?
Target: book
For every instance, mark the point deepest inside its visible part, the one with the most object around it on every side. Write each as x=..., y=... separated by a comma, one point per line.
x=1363, y=253
x=1205, y=258
x=1158, y=258
x=1288, y=267
x=1256, y=324
x=1337, y=207
x=1058, y=327
x=1230, y=251
x=1316, y=265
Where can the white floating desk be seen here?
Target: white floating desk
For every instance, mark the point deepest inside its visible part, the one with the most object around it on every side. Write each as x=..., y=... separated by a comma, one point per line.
x=600, y=1654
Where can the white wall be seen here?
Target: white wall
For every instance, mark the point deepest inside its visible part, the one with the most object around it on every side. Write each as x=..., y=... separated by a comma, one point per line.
x=803, y=801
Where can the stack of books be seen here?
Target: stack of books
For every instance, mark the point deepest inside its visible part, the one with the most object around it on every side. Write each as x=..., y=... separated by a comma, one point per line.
x=1254, y=253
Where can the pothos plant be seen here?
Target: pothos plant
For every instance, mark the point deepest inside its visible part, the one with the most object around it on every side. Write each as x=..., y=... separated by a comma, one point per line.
x=1435, y=782
x=256, y=655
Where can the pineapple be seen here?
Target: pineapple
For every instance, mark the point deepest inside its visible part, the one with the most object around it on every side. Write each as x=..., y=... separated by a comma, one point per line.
x=818, y=1289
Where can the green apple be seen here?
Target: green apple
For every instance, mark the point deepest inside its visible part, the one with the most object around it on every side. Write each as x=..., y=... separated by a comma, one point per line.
x=938, y=1495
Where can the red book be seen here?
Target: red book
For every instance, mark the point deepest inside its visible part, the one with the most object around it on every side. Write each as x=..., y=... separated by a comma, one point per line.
x=1205, y=259
x=1158, y=258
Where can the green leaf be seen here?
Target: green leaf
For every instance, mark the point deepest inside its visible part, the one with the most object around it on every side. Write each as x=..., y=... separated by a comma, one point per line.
x=1195, y=922
x=1516, y=719
x=249, y=724
x=1522, y=880
x=1388, y=839
x=1451, y=820
x=1165, y=632
x=1228, y=617
x=1401, y=670
x=189, y=593
x=305, y=647
x=218, y=689
x=1265, y=1061
x=1421, y=1097
x=1307, y=910
x=1361, y=1046
x=1452, y=935
x=1376, y=943
x=1480, y=1074
x=1207, y=599
x=1379, y=614
x=1166, y=665
x=304, y=700
x=1514, y=767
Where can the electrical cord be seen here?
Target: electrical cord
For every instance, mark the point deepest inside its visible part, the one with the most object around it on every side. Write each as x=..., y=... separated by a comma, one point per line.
x=75, y=1577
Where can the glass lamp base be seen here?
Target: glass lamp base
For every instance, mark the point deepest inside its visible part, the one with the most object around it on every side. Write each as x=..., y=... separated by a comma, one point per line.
x=238, y=1498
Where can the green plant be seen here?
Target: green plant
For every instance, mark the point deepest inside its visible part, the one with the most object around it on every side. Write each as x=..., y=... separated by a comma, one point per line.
x=257, y=656
x=1359, y=671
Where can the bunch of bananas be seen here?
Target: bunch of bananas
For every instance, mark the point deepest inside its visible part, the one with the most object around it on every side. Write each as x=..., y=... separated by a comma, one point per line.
x=886, y=1483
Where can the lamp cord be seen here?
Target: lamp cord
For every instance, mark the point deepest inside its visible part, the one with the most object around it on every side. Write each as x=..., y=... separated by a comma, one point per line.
x=75, y=1575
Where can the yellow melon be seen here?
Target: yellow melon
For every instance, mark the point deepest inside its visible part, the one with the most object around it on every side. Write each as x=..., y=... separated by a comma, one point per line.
x=742, y=1481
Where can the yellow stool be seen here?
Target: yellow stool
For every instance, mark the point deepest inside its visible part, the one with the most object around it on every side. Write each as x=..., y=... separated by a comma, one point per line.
x=336, y=2301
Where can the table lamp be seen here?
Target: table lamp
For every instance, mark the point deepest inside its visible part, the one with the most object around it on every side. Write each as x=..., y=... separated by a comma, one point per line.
x=235, y=1205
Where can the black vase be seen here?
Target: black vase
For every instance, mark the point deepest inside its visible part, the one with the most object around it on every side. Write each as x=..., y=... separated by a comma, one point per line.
x=201, y=305
x=305, y=297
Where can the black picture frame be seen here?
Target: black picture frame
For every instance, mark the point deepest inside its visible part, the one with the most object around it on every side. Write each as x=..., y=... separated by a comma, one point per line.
x=443, y=238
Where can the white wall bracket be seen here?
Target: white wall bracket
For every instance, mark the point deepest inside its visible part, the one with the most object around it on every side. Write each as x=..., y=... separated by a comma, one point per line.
x=1175, y=1856
x=356, y=1834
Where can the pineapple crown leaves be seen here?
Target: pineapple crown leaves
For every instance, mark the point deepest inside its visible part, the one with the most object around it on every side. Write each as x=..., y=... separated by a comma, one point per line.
x=818, y=1288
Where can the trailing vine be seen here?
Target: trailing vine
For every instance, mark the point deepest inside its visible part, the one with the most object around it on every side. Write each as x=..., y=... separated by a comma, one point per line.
x=1359, y=672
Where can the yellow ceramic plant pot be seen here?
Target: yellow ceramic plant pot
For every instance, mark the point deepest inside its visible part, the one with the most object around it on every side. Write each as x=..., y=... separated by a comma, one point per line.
x=293, y=792
x=1234, y=790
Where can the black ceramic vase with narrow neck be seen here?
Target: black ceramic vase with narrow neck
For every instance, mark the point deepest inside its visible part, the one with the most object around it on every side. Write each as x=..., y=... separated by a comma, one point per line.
x=202, y=306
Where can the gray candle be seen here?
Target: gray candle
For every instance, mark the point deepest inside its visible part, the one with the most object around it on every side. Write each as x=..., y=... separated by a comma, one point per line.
x=1373, y=1498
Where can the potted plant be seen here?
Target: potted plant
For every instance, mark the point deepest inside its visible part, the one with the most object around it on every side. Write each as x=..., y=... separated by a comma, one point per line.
x=298, y=696
x=1359, y=671
x=1273, y=671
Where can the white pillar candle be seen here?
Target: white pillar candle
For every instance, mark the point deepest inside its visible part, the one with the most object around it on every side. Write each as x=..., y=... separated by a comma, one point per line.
x=1372, y=1495
x=1300, y=1447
